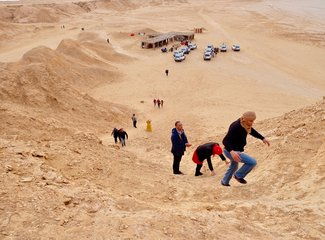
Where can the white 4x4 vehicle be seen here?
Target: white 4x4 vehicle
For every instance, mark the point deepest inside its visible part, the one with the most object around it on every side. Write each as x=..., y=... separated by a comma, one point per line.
x=179, y=57
x=207, y=56
x=235, y=48
x=223, y=47
x=192, y=46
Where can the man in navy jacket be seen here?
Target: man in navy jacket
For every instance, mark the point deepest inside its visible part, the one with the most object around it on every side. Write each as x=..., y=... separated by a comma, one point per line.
x=179, y=144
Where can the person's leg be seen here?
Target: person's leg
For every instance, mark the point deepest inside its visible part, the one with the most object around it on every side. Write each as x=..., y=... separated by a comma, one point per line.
x=176, y=163
x=249, y=164
x=123, y=142
x=198, y=170
x=232, y=168
x=115, y=139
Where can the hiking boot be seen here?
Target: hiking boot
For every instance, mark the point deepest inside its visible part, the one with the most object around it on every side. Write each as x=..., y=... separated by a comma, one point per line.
x=179, y=173
x=241, y=180
x=198, y=174
x=225, y=184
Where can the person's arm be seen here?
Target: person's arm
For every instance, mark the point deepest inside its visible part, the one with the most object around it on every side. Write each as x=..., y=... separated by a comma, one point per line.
x=127, y=136
x=186, y=141
x=222, y=157
x=210, y=163
x=256, y=134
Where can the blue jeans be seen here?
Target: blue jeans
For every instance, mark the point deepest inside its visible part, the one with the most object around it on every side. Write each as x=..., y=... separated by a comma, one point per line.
x=249, y=164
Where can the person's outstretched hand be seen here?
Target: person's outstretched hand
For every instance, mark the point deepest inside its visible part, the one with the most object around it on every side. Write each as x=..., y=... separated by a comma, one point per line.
x=213, y=173
x=235, y=156
x=265, y=141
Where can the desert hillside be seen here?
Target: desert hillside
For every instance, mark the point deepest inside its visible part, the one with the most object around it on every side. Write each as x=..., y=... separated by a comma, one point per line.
x=72, y=71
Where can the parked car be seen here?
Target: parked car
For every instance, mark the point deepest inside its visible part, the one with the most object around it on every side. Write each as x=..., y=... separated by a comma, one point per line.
x=192, y=46
x=235, y=48
x=209, y=50
x=178, y=52
x=186, y=50
x=223, y=47
x=207, y=56
x=179, y=57
x=164, y=50
x=210, y=46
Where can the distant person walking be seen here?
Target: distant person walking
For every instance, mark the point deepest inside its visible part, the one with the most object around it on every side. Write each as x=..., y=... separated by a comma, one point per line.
x=162, y=103
x=122, y=135
x=154, y=102
x=115, y=134
x=167, y=72
x=205, y=151
x=234, y=143
x=107, y=40
x=134, y=121
x=179, y=144
x=158, y=103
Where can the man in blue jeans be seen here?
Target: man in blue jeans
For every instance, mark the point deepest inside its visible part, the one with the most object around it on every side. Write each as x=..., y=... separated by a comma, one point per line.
x=234, y=143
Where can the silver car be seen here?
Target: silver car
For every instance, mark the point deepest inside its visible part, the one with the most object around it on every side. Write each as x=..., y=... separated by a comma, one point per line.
x=223, y=47
x=235, y=48
x=207, y=56
x=179, y=57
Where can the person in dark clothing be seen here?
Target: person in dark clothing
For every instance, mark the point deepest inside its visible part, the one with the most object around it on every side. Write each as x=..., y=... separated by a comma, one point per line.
x=154, y=102
x=234, y=143
x=115, y=134
x=134, y=120
x=179, y=145
x=205, y=151
x=122, y=135
x=162, y=103
x=158, y=103
x=167, y=72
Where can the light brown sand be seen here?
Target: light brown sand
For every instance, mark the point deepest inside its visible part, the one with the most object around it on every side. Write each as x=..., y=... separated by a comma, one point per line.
x=60, y=101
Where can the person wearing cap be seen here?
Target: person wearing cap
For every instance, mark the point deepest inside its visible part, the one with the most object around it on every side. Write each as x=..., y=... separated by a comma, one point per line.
x=234, y=142
x=205, y=151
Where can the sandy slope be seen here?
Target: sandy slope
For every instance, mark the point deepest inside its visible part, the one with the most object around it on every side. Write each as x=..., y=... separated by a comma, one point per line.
x=64, y=178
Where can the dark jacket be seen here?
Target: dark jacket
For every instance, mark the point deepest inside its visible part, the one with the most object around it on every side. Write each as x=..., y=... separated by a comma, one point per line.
x=122, y=135
x=236, y=137
x=115, y=133
x=205, y=151
x=178, y=142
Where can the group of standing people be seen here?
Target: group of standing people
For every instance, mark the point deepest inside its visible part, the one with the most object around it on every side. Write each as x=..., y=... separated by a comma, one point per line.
x=159, y=103
x=234, y=143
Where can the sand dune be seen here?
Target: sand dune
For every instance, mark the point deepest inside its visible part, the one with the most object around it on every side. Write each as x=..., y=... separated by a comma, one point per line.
x=62, y=90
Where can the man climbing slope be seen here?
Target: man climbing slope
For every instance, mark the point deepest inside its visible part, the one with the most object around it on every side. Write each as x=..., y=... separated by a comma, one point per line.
x=122, y=135
x=179, y=145
x=234, y=143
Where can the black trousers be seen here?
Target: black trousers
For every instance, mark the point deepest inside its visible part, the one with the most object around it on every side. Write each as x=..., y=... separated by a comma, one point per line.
x=199, y=166
x=135, y=124
x=176, y=163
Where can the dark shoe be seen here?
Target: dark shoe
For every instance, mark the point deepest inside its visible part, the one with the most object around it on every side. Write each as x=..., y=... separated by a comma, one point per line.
x=225, y=184
x=198, y=174
x=241, y=180
x=179, y=173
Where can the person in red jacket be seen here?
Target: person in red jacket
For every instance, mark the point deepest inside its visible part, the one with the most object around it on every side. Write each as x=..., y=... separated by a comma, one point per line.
x=205, y=151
